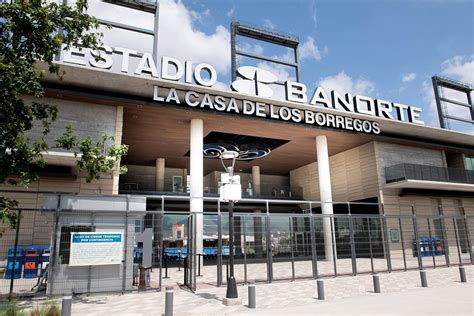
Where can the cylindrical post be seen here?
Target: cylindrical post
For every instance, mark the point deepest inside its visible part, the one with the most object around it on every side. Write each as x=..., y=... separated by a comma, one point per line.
x=424, y=281
x=417, y=239
x=231, y=284
x=252, y=295
x=462, y=274
x=326, y=195
x=169, y=301
x=376, y=279
x=66, y=306
x=321, y=295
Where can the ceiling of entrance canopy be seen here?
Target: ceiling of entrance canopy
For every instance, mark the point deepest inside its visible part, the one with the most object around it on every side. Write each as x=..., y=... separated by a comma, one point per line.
x=164, y=132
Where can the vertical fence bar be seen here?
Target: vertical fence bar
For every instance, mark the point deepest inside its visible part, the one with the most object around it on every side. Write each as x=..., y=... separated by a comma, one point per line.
x=403, y=243
x=245, y=247
x=466, y=227
x=385, y=237
x=89, y=270
x=124, y=271
x=160, y=243
x=430, y=244
x=194, y=248
x=314, y=254
x=15, y=249
x=417, y=239
x=457, y=240
x=269, y=250
x=369, y=230
x=219, y=245
x=351, y=233
x=331, y=218
x=290, y=221
x=445, y=236
x=52, y=259
x=124, y=277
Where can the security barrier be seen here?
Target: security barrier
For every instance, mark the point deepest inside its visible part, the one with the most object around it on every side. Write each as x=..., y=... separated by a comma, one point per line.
x=270, y=244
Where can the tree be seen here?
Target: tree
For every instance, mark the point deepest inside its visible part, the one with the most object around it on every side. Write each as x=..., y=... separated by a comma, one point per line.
x=33, y=31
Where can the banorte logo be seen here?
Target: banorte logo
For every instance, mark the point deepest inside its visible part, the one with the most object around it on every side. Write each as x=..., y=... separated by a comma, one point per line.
x=255, y=81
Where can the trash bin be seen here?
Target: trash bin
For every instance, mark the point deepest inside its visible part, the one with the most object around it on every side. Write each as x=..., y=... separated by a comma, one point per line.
x=437, y=246
x=15, y=271
x=32, y=262
x=424, y=244
x=45, y=259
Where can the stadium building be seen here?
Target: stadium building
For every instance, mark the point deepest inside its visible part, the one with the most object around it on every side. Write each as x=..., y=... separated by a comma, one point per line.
x=326, y=177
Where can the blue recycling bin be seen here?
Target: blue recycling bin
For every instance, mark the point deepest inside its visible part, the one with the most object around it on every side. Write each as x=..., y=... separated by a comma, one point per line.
x=14, y=271
x=45, y=259
x=425, y=247
x=32, y=262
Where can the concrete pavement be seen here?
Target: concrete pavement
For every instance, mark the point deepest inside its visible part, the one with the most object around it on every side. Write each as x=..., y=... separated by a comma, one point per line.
x=401, y=295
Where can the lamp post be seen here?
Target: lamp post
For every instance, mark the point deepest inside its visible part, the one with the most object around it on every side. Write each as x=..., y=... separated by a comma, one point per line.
x=231, y=284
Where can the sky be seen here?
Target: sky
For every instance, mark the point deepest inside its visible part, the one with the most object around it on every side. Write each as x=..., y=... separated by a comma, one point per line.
x=386, y=49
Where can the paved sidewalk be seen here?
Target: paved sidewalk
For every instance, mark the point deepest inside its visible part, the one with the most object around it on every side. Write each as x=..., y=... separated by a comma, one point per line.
x=402, y=294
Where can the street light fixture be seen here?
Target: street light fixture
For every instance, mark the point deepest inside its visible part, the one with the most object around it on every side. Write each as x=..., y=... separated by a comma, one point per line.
x=231, y=284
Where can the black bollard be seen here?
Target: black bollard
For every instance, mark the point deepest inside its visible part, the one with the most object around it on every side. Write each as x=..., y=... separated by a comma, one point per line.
x=376, y=280
x=252, y=295
x=66, y=305
x=321, y=295
x=424, y=281
x=462, y=274
x=169, y=301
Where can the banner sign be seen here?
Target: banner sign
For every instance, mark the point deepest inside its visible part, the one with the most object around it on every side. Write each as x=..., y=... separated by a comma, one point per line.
x=92, y=249
x=223, y=104
x=251, y=81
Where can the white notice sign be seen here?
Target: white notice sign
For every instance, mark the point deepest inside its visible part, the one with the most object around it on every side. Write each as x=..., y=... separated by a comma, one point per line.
x=92, y=249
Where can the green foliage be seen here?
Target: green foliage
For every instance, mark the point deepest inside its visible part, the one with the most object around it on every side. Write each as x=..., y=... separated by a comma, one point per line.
x=33, y=31
x=11, y=309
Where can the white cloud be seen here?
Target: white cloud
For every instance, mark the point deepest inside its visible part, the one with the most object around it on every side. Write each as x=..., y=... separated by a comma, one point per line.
x=459, y=68
x=309, y=50
x=409, y=77
x=313, y=13
x=177, y=36
x=231, y=12
x=267, y=23
x=250, y=48
x=199, y=16
x=342, y=83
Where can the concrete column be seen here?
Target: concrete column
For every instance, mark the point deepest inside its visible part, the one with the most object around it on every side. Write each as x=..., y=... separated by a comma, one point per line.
x=196, y=172
x=160, y=174
x=256, y=180
x=325, y=192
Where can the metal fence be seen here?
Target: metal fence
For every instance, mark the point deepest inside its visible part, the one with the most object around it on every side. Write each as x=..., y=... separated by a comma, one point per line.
x=274, y=240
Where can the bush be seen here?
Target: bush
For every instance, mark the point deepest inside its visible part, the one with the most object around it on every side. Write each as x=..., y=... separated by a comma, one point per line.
x=51, y=309
x=11, y=309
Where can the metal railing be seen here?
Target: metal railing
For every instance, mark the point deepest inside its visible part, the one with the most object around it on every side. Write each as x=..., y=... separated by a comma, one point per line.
x=269, y=244
x=407, y=171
